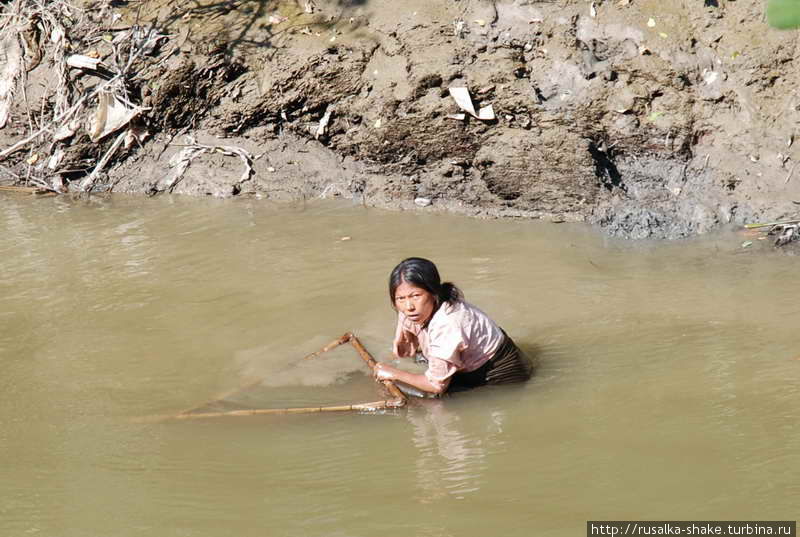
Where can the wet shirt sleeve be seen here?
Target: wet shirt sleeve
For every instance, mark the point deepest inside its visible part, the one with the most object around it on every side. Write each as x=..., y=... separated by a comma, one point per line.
x=446, y=341
x=439, y=372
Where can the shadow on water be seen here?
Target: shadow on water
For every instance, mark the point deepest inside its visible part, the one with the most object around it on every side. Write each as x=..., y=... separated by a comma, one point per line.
x=238, y=25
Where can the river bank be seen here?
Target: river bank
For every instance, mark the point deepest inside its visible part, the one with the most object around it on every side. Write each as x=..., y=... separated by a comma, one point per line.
x=646, y=118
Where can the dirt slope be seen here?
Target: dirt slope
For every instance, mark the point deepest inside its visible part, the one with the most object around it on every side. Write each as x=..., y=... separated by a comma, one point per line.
x=649, y=118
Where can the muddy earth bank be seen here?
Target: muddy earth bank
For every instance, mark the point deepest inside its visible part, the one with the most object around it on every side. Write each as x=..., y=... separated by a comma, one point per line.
x=649, y=118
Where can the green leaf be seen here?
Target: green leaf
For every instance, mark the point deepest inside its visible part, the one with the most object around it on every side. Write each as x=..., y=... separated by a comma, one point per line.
x=783, y=14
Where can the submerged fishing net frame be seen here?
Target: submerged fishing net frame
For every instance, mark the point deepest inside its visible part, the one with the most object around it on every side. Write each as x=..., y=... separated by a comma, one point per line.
x=397, y=398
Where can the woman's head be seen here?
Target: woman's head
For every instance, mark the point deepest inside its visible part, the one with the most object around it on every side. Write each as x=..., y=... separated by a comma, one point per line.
x=422, y=274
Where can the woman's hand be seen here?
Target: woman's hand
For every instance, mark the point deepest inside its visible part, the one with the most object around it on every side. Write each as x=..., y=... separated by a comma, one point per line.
x=384, y=372
x=420, y=381
x=406, y=346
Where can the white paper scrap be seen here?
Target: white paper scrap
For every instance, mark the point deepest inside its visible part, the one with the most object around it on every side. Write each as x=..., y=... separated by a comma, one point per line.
x=464, y=102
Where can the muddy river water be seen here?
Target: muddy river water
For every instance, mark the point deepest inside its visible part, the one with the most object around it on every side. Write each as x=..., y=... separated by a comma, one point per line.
x=667, y=387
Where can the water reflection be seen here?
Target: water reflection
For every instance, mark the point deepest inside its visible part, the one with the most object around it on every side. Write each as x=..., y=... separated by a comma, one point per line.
x=452, y=456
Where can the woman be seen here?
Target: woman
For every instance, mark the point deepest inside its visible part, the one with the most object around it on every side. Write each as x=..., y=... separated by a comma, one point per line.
x=463, y=346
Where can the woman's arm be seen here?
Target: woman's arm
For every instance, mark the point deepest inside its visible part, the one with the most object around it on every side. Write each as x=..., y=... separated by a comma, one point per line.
x=417, y=380
x=405, y=343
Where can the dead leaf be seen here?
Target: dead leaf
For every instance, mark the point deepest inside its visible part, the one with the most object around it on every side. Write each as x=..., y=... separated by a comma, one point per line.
x=111, y=115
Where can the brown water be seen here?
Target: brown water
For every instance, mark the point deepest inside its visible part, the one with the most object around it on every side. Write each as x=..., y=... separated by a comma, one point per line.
x=668, y=386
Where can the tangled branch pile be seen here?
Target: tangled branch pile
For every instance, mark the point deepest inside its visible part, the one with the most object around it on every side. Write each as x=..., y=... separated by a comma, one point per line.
x=786, y=231
x=70, y=86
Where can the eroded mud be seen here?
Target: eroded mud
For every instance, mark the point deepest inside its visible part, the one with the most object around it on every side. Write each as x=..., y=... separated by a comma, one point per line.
x=646, y=118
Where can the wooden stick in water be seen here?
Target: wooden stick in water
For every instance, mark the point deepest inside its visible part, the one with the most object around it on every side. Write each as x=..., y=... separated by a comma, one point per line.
x=399, y=397
x=365, y=407
x=330, y=346
x=358, y=407
x=23, y=189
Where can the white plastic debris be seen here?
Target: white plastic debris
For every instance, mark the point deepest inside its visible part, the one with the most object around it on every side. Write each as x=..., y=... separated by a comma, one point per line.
x=57, y=34
x=79, y=61
x=592, y=10
x=651, y=22
x=422, y=202
x=709, y=77
x=323, y=123
x=10, y=69
x=464, y=102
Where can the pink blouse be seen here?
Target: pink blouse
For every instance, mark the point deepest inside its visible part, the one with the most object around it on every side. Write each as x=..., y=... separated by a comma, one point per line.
x=459, y=337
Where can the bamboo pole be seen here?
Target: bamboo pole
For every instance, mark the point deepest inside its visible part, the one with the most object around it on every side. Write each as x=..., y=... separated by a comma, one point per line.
x=375, y=405
x=399, y=397
x=330, y=346
x=358, y=407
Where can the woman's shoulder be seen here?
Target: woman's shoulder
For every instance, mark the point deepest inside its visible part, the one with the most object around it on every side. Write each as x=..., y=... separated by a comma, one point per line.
x=461, y=314
x=454, y=313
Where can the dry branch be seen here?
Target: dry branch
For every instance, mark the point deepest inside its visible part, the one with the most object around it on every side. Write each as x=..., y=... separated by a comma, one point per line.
x=180, y=162
x=83, y=84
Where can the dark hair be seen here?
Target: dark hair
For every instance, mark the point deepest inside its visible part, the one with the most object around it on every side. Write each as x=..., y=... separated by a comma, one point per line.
x=424, y=274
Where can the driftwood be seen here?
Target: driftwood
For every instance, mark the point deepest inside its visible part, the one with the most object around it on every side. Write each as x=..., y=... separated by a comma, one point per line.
x=771, y=224
x=398, y=399
x=35, y=190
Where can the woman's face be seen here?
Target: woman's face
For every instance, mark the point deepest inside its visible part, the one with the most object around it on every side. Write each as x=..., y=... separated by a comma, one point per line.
x=414, y=302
